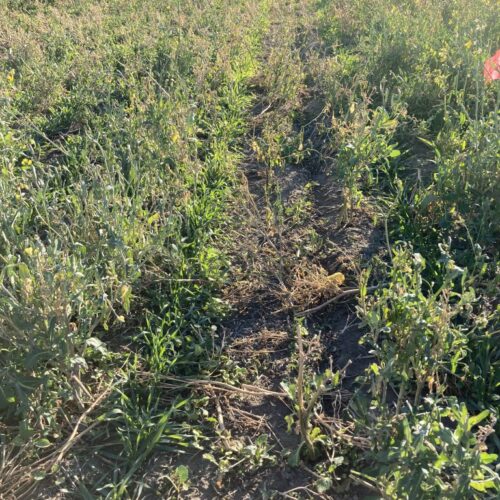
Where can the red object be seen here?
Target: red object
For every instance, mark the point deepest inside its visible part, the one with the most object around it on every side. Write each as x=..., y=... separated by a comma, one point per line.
x=492, y=67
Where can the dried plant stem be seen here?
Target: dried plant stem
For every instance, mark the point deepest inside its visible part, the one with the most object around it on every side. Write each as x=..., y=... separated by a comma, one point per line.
x=245, y=389
x=345, y=294
x=301, y=410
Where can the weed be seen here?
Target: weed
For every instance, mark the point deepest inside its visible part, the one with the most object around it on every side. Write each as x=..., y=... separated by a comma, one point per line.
x=305, y=393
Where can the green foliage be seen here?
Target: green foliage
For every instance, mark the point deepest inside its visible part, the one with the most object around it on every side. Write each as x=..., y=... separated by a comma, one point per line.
x=439, y=453
x=122, y=128
x=421, y=340
x=413, y=333
x=432, y=327
x=365, y=152
x=305, y=393
x=118, y=156
x=142, y=425
x=236, y=456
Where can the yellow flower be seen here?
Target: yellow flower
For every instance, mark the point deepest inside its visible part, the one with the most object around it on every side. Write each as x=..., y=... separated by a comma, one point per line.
x=176, y=137
x=336, y=278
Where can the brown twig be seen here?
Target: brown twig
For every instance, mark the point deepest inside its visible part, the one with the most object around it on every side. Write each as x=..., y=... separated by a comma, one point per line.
x=345, y=294
x=359, y=480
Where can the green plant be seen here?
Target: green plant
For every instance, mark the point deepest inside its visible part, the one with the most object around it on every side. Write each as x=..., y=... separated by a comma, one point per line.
x=437, y=453
x=238, y=456
x=365, y=151
x=305, y=393
x=116, y=174
x=413, y=332
x=142, y=426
